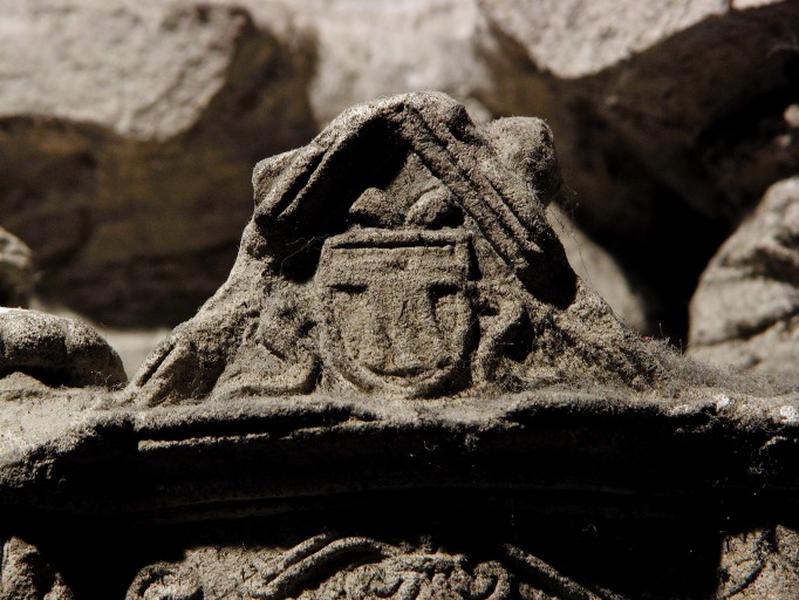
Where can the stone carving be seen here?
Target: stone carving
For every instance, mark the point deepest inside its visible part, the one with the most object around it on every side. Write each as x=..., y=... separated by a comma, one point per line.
x=375, y=570
x=396, y=309
x=401, y=356
x=404, y=251
x=355, y=567
x=163, y=581
x=762, y=563
x=26, y=575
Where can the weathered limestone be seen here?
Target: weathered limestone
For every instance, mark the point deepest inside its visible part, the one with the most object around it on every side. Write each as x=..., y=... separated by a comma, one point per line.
x=56, y=350
x=746, y=308
x=633, y=70
x=607, y=32
x=27, y=576
x=763, y=563
x=16, y=271
x=669, y=116
x=401, y=391
x=433, y=272
x=127, y=132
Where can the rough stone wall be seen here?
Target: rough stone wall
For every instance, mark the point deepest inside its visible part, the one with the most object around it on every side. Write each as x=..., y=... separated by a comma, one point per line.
x=128, y=133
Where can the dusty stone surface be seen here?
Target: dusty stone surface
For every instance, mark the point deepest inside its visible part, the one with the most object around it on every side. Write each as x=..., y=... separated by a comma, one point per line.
x=760, y=564
x=402, y=390
x=132, y=344
x=17, y=272
x=217, y=497
x=27, y=576
x=372, y=568
x=56, y=350
x=745, y=309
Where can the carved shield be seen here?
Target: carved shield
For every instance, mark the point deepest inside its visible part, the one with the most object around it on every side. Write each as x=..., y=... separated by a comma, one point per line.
x=397, y=316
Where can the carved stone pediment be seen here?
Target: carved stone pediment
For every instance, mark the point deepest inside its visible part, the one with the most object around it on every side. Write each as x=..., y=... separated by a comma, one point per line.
x=405, y=252
x=401, y=391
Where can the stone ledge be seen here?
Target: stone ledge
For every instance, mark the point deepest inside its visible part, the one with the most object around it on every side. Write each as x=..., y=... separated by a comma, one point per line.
x=265, y=451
